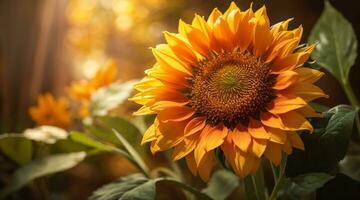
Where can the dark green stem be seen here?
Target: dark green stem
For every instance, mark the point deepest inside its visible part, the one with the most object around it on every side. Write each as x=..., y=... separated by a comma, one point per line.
x=353, y=100
x=278, y=177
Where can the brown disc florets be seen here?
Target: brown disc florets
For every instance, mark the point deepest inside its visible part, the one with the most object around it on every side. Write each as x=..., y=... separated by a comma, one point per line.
x=231, y=88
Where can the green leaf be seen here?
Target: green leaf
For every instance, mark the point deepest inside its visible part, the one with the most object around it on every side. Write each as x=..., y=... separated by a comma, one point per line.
x=192, y=190
x=133, y=153
x=221, y=184
x=83, y=139
x=134, y=187
x=16, y=147
x=41, y=167
x=109, y=97
x=340, y=187
x=138, y=187
x=336, y=50
x=302, y=186
x=103, y=129
x=327, y=145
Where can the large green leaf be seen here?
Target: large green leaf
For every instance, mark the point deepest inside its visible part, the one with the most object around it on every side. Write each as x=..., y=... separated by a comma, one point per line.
x=221, y=184
x=83, y=139
x=109, y=97
x=103, y=126
x=136, y=158
x=336, y=50
x=340, y=187
x=138, y=187
x=41, y=167
x=16, y=147
x=327, y=145
x=302, y=186
x=133, y=187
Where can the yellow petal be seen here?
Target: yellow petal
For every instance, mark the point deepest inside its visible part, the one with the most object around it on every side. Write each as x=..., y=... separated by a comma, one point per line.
x=194, y=126
x=308, y=75
x=277, y=135
x=296, y=141
x=308, y=111
x=210, y=138
x=306, y=91
x=181, y=49
x=256, y=129
x=190, y=161
x=262, y=37
x=241, y=138
x=283, y=104
x=167, y=60
x=206, y=166
x=149, y=135
x=215, y=14
x=271, y=120
x=285, y=79
x=295, y=122
x=273, y=153
x=184, y=148
x=258, y=147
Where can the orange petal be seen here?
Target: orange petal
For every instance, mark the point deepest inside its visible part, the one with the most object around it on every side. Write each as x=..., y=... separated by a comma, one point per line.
x=215, y=14
x=296, y=141
x=190, y=161
x=277, y=135
x=206, y=166
x=172, y=111
x=210, y=138
x=308, y=111
x=184, y=148
x=198, y=40
x=256, y=130
x=294, y=122
x=149, y=135
x=258, y=147
x=308, y=75
x=194, y=126
x=244, y=30
x=273, y=153
x=286, y=147
x=222, y=33
x=241, y=138
x=285, y=79
x=283, y=104
x=271, y=120
x=262, y=37
x=181, y=48
x=306, y=91
x=168, y=61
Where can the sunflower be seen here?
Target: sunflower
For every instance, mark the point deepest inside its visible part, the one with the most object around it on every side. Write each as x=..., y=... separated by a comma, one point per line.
x=229, y=83
x=82, y=90
x=50, y=111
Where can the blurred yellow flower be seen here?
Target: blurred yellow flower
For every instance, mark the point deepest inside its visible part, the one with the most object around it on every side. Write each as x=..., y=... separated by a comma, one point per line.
x=50, y=111
x=82, y=90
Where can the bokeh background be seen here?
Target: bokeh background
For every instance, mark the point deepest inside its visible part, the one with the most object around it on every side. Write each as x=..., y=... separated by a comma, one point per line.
x=46, y=44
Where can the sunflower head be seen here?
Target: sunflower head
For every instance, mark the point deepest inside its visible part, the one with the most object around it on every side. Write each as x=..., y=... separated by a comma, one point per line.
x=231, y=83
x=50, y=111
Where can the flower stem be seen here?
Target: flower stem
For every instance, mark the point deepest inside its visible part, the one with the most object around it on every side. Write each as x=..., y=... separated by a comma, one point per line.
x=255, y=186
x=250, y=191
x=350, y=94
x=278, y=177
x=353, y=100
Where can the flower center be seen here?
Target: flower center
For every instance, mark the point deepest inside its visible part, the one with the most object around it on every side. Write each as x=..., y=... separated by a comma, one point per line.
x=231, y=88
